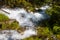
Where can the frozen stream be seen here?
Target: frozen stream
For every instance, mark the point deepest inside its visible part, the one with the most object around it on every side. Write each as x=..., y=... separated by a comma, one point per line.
x=25, y=19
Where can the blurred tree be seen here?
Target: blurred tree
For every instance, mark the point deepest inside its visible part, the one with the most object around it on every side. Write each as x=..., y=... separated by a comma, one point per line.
x=54, y=12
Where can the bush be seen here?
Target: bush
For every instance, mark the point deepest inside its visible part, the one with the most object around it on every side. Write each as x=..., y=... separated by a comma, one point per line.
x=56, y=30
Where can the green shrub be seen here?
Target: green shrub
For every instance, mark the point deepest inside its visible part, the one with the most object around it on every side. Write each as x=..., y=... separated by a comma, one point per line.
x=56, y=30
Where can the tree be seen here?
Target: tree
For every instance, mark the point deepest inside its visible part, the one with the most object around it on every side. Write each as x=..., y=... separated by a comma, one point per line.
x=54, y=12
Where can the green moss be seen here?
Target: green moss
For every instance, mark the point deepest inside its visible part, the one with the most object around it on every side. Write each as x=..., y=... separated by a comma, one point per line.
x=14, y=25
x=3, y=17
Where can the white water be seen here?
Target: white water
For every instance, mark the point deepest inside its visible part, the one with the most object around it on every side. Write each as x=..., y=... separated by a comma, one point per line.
x=13, y=34
x=25, y=19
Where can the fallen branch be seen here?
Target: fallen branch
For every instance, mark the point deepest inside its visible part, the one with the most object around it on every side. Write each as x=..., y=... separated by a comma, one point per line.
x=4, y=11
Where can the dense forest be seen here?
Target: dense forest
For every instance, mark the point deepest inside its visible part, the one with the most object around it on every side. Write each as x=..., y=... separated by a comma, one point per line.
x=48, y=29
